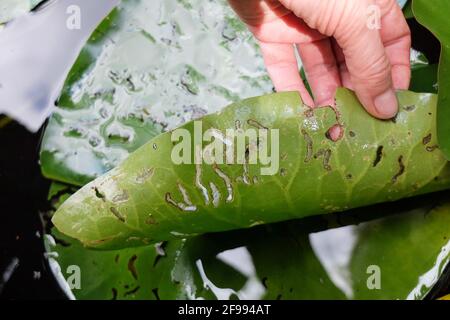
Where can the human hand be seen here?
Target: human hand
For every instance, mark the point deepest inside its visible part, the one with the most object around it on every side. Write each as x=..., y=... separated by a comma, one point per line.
x=337, y=47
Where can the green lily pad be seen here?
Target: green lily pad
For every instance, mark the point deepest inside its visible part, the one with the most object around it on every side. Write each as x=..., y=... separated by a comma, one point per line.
x=434, y=16
x=151, y=197
x=150, y=66
x=325, y=257
x=10, y=9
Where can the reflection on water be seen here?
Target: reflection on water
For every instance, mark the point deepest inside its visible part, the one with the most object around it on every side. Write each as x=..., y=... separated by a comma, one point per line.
x=241, y=260
x=151, y=66
x=36, y=53
x=334, y=249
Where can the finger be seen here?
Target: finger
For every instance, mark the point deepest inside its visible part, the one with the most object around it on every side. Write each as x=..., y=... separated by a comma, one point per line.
x=283, y=69
x=321, y=69
x=396, y=38
x=289, y=29
x=344, y=74
x=364, y=52
x=269, y=20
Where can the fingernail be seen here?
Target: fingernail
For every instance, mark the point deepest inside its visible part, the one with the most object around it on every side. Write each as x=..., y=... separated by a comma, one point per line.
x=386, y=104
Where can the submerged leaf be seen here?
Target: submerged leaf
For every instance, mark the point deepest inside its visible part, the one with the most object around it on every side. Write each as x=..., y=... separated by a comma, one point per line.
x=149, y=198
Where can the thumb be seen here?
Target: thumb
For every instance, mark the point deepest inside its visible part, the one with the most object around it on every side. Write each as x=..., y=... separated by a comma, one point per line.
x=355, y=26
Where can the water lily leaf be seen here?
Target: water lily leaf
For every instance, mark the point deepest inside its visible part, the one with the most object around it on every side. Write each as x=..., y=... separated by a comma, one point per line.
x=10, y=9
x=149, y=198
x=434, y=16
x=150, y=66
x=334, y=256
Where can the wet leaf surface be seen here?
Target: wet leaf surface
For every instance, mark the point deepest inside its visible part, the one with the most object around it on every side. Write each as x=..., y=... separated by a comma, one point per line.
x=150, y=66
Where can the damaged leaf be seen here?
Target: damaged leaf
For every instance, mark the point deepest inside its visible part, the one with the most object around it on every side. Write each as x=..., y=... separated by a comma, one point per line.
x=144, y=71
x=313, y=174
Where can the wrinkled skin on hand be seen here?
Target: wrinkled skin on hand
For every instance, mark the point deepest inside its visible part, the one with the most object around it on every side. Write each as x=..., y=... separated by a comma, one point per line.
x=363, y=45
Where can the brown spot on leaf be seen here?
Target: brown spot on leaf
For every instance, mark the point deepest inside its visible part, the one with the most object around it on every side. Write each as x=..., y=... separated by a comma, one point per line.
x=256, y=124
x=410, y=108
x=132, y=267
x=114, y=294
x=309, y=113
x=401, y=170
x=309, y=146
x=121, y=197
x=144, y=175
x=426, y=140
x=326, y=160
x=432, y=148
x=132, y=291
x=326, y=154
x=99, y=194
x=378, y=156
x=394, y=119
x=150, y=220
x=117, y=214
x=155, y=293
